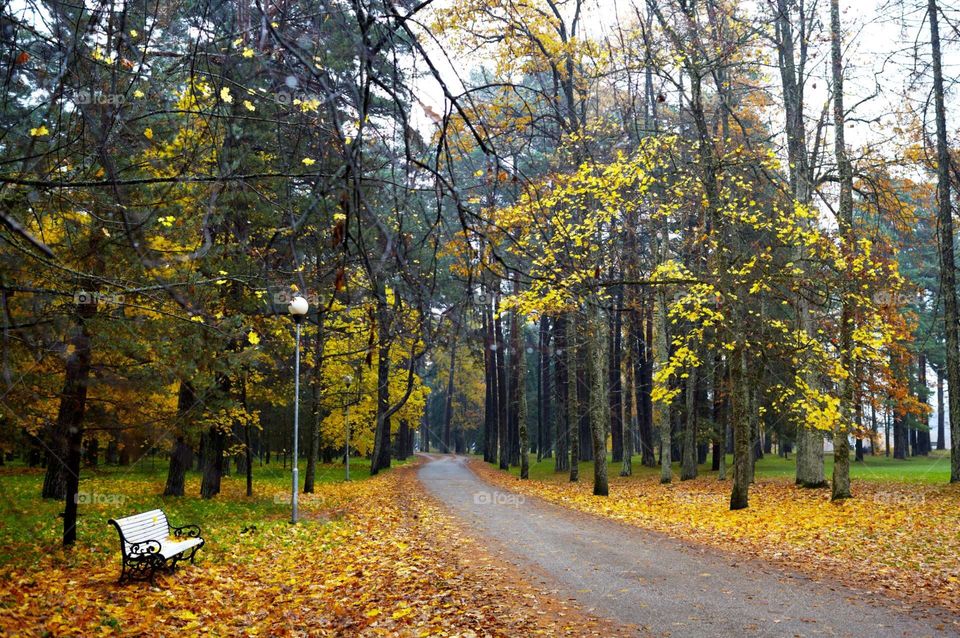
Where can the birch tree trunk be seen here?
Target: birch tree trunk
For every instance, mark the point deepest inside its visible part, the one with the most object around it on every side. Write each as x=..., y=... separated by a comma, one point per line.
x=841, y=443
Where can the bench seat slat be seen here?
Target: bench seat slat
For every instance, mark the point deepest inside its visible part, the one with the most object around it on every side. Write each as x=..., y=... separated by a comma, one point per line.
x=150, y=525
x=146, y=526
x=160, y=522
x=146, y=520
x=170, y=549
x=143, y=516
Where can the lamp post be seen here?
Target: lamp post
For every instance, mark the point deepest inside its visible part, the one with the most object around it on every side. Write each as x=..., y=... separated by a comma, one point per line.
x=346, y=423
x=298, y=310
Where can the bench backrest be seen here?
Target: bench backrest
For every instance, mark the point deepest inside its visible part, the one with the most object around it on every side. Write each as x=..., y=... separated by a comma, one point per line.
x=147, y=526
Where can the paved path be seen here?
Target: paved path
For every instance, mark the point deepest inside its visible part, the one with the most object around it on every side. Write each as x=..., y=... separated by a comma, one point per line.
x=665, y=586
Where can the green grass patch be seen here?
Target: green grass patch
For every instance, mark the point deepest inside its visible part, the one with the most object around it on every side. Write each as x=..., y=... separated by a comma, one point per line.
x=31, y=526
x=933, y=469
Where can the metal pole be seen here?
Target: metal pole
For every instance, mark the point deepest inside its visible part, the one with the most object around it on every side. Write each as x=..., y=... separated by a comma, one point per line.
x=346, y=422
x=296, y=425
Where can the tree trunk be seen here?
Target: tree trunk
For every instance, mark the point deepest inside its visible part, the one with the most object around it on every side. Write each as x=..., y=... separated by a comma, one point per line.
x=180, y=456
x=858, y=443
x=448, y=405
x=886, y=432
x=573, y=419
x=615, y=408
x=661, y=356
x=516, y=387
x=923, y=432
x=490, y=419
x=584, y=436
x=948, y=279
x=545, y=412
x=246, y=458
x=899, y=436
x=629, y=423
x=753, y=416
x=541, y=357
x=688, y=465
x=381, y=445
x=719, y=396
x=214, y=443
x=69, y=424
x=400, y=445
x=599, y=403
x=941, y=434
x=522, y=408
x=179, y=462
x=562, y=458
x=741, y=430
x=643, y=371
x=313, y=441
x=841, y=443
x=809, y=467
x=73, y=402
x=503, y=439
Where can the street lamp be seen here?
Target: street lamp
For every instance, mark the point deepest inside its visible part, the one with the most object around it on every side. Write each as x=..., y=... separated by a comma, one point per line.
x=348, y=379
x=298, y=310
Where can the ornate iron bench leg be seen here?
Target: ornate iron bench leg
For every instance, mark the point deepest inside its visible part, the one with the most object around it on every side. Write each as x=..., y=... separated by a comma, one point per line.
x=193, y=553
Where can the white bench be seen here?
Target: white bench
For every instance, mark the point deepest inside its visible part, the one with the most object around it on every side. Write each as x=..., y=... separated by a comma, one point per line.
x=146, y=544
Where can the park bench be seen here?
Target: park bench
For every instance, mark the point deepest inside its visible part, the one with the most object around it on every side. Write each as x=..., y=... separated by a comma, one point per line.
x=146, y=544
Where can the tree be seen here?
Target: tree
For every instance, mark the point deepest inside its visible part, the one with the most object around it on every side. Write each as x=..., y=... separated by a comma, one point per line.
x=948, y=283
x=841, y=442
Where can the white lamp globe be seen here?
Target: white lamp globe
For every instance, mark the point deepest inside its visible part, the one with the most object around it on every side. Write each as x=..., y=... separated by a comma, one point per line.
x=298, y=307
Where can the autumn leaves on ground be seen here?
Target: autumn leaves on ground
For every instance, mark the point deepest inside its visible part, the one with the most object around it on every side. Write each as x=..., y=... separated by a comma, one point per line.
x=369, y=557
x=376, y=557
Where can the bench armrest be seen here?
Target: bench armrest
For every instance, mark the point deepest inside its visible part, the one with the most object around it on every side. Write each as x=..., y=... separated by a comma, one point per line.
x=188, y=531
x=143, y=548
